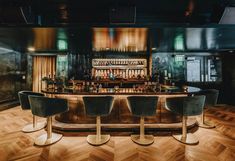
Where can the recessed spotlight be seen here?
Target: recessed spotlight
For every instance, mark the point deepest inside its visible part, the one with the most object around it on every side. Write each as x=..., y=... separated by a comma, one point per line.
x=154, y=48
x=31, y=49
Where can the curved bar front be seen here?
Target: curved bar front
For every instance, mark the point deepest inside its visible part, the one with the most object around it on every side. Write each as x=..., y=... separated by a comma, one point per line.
x=120, y=114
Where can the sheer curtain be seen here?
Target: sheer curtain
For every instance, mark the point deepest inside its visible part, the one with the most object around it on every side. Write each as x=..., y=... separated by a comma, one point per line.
x=43, y=66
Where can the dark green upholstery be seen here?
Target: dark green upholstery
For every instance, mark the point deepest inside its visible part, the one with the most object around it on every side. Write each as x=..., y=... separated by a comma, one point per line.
x=98, y=106
x=186, y=106
x=211, y=96
x=24, y=100
x=143, y=105
x=44, y=106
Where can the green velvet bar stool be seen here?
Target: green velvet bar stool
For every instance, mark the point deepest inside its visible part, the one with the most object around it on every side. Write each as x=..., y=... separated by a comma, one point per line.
x=142, y=106
x=47, y=107
x=98, y=106
x=24, y=103
x=211, y=101
x=186, y=106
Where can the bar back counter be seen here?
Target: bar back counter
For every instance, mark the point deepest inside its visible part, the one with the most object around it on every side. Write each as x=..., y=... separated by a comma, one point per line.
x=120, y=116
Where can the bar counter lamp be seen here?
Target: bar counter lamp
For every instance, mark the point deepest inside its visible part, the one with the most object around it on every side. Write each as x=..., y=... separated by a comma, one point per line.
x=24, y=102
x=211, y=101
x=98, y=106
x=47, y=107
x=186, y=106
x=142, y=106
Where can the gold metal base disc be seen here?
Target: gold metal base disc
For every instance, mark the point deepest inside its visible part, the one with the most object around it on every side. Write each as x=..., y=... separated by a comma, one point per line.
x=148, y=139
x=43, y=141
x=206, y=125
x=91, y=139
x=190, y=139
x=29, y=128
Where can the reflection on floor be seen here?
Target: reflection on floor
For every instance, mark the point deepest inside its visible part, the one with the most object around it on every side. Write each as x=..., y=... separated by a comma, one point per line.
x=215, y=144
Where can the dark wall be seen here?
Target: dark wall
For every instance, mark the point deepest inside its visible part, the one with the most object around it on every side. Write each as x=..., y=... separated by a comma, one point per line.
x=228, y=67
x=12, y=74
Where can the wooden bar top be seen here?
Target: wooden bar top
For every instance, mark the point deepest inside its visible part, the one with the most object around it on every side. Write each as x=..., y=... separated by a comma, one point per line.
x=165, y=90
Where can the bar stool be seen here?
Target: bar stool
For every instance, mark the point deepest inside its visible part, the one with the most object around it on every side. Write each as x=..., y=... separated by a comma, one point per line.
x=98, y=106
x=186, y=106
x=24, y=102
x=142, y=106
x=211, y=100
x=47, y=107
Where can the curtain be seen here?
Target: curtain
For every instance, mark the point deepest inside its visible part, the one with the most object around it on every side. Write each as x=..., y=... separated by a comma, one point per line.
x=43, y=66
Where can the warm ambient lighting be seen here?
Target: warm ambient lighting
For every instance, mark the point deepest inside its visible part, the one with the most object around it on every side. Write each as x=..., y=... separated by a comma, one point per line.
x=31, y=49
x=120, y=39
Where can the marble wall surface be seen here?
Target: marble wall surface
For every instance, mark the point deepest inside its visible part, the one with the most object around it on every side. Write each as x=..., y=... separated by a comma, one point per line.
x=12, y=74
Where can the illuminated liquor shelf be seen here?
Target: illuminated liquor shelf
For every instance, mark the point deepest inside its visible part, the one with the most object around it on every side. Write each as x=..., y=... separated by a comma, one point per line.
x=119, y=68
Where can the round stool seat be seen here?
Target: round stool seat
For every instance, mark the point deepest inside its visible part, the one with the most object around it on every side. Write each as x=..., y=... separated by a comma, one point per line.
x=142, y=106
x=24, y=102
x=98, y=106
x=211, y=96
x=211, y=101
x=47, y=107
x=186, y=106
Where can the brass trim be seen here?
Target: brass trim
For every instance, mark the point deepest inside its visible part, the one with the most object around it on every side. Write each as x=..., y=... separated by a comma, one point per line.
x=205, y=124
x=185, y=138
x=35, y=126
x=98, y=139
x=142, y=139
x=48, y=138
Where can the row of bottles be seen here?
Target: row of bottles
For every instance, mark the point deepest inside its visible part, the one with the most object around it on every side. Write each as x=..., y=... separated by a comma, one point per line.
x=123, y=49
x=119, y=73
x=123, y=62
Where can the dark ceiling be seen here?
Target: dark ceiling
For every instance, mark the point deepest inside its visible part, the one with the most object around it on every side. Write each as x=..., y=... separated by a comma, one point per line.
x=97, y=12
x=196, y=21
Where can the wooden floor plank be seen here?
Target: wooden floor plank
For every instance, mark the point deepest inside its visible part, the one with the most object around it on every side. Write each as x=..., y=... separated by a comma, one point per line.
x=216, y=144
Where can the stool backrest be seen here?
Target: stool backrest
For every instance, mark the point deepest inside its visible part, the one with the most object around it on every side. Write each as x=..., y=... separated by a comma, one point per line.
x=211, y=96
x=98, y=105
x=143, y=105
x=186, y=106
x=44, y=106
x=24, y=100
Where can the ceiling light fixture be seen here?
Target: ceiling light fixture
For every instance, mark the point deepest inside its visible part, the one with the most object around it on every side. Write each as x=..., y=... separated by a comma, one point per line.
x=31, y=49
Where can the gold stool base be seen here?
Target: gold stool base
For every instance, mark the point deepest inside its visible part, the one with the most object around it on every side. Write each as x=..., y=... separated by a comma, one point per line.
x=43, y=140
x=91, y=139
x=189, y=140
x=29, y=128
x=206, y=125
x=147, y=140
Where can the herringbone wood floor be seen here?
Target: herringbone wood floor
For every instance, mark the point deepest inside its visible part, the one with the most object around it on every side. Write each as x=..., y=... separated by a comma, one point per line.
x=215, y=144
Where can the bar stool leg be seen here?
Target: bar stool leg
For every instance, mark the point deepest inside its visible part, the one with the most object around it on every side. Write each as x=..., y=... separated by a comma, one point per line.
x=48, y=138
x=205, y=124
x=98, y=139
x=142, y=139
x=35, y=126
x=142, y=128
x=184, y=137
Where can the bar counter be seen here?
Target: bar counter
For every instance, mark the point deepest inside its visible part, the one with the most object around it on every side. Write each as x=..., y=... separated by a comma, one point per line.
x=120, y=116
